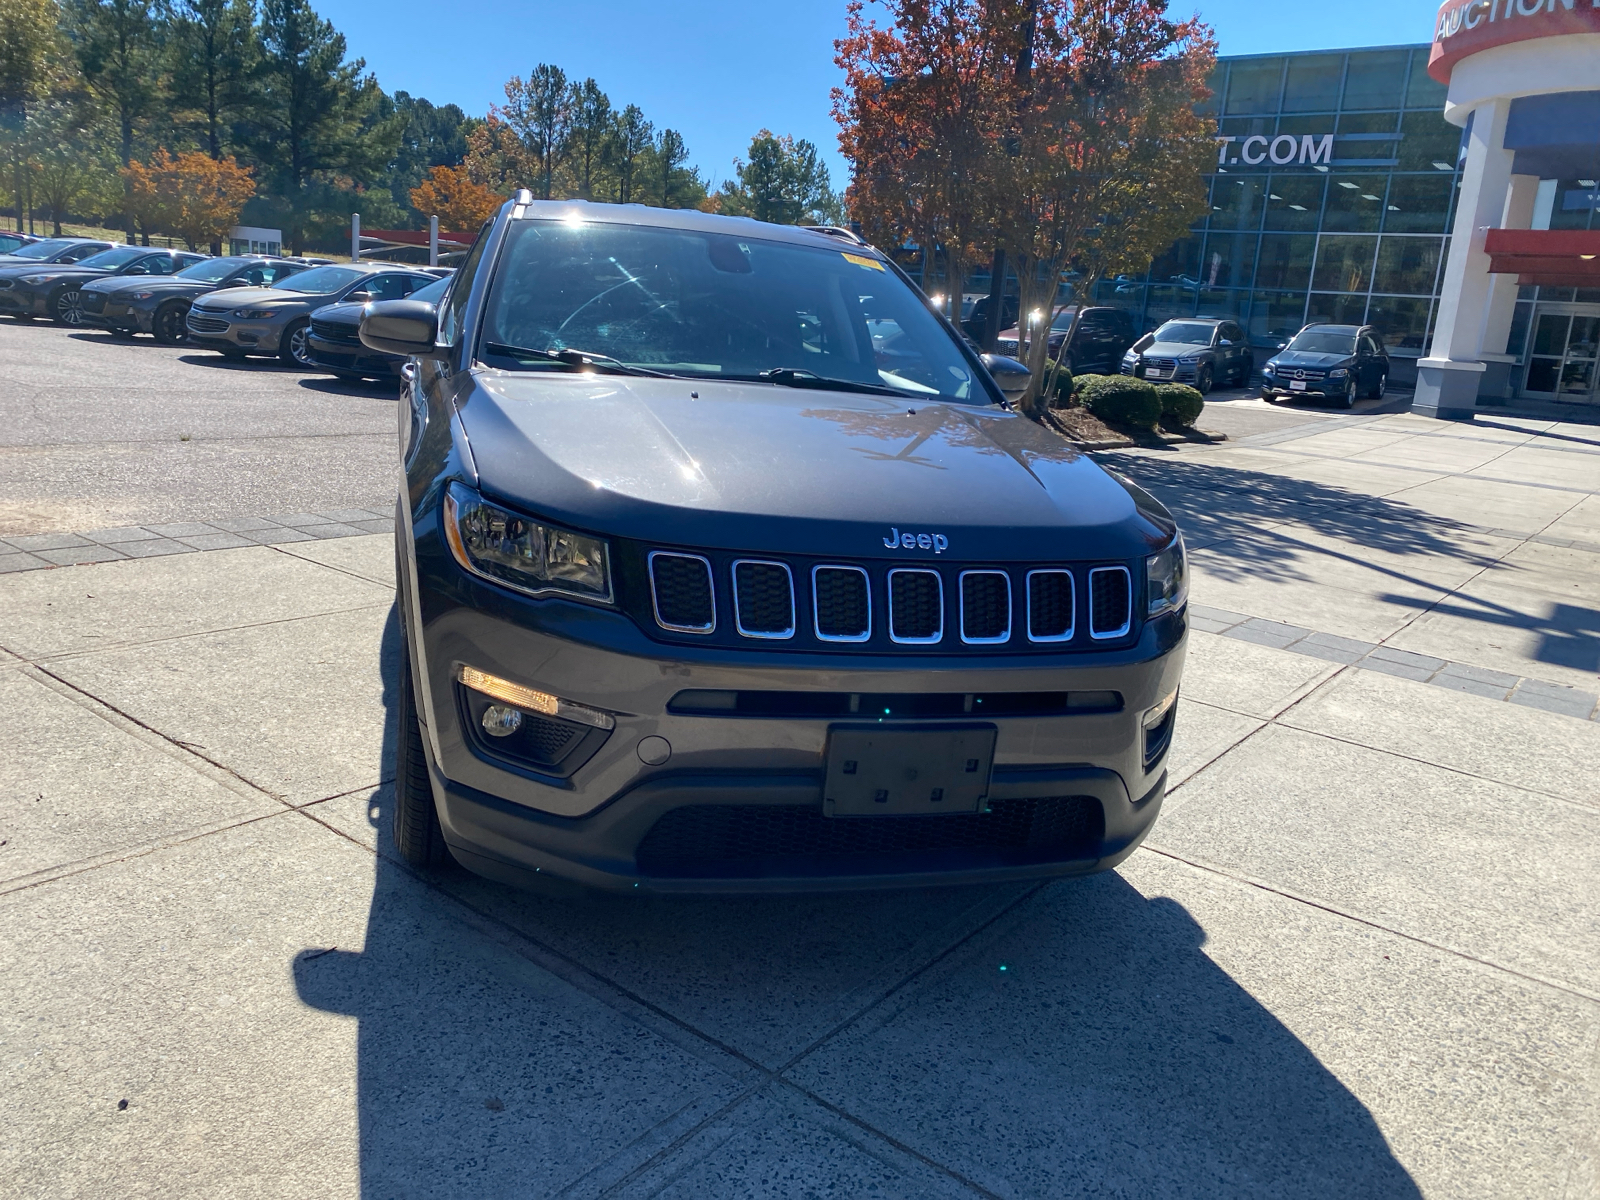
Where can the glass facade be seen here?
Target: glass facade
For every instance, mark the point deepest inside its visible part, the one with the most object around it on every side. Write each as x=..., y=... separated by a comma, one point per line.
x=1331, y=200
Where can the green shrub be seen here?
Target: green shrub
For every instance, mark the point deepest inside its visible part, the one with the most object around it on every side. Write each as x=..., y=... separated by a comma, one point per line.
x=1121, y=399
x=1064, y=387
x=1180, y=403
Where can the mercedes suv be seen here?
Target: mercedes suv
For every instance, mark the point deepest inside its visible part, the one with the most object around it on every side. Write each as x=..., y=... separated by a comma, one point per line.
x=724, y=565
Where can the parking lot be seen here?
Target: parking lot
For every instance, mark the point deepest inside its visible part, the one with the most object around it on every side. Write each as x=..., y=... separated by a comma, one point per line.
x=1358, y=956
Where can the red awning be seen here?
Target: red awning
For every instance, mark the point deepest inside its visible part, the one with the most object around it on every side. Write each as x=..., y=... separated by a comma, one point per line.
x=1551, y=257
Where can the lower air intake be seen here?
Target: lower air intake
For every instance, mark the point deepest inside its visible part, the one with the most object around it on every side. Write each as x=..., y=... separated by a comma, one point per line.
x=754, y=841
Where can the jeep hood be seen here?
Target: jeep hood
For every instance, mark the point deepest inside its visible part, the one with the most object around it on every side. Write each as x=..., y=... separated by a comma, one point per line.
x=743, y=466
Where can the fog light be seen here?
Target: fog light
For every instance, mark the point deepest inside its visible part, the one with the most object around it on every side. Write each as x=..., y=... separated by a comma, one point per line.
x=529, y=700
x=500, y=720
x=1154, y=716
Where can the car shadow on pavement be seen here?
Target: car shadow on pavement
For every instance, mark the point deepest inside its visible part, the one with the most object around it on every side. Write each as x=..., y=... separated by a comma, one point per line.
x=1114, y=1056
x=386, y=389
x=221, y=362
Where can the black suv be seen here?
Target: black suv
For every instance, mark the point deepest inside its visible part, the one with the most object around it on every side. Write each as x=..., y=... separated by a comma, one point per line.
x=1202, y=351
x=1101, y=337
x=686, y=608
x=159, y=306
x=1340, y=361
x=56, y=291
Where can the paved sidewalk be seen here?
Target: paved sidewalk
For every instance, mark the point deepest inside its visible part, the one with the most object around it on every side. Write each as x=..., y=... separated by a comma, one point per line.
x=1360, y=955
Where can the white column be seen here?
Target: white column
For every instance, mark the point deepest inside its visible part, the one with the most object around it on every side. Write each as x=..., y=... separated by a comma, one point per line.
x=1502, y=303
x=355, y=237
x=1448, y=379
x=433, y=241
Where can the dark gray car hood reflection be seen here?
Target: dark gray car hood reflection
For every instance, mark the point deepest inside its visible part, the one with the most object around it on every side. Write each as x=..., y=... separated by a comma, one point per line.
x=752, y=466
x=1174, y=349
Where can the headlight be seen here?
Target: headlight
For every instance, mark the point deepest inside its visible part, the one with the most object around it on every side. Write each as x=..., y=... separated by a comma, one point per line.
x=1167, y=576
x=143, y=295
x=255, y=314
x=1272, y=365
x=510, y=549
x=1339, y=373
x=1190, y=359
x=36, y=280
x=1130, y=357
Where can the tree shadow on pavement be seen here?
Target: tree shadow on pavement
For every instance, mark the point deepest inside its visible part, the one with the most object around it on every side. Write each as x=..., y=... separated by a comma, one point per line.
x=1118, y=1058
x=1236, y=511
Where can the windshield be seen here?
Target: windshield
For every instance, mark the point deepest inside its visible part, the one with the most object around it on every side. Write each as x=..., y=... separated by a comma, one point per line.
x=211, y=270
x=121, y=256
x=1185, y=333
x=1322, y=342
x=42, y=249
x=319, y=281
x=432, y=293
x=717, y=305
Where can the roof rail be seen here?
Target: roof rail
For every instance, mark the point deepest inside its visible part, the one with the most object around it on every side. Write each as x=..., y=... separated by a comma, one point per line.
x=523, y=196
x=837, y=231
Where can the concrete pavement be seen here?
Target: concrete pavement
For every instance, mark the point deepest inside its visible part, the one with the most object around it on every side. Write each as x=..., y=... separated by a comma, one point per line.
x=1356, y=957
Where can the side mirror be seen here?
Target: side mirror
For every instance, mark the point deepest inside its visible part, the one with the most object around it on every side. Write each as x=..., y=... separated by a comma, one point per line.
x=1283, y=345
x=404, y=327
x=1011, y=375
x=359, y=296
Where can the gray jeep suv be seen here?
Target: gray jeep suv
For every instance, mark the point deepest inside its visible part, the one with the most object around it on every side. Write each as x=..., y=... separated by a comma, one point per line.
x=724, y=565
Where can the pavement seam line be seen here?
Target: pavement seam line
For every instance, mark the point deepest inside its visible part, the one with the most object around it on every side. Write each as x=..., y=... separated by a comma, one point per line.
x=1323, y=906
x=285, y=549
x=119, y=647
x=178, y=747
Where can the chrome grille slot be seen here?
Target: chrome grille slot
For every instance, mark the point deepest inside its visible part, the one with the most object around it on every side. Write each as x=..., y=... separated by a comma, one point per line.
x=916, y=606
x=842, y=604
x=1051, y=606
x=681, y=592
x=763, y=599
x=1110, y=602
x=985, y=607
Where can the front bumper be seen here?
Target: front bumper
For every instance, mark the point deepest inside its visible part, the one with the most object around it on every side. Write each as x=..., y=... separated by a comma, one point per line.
x=1282, y=386
x=239, y=337
x=19, y=300
x=352, y=360
x=594, y=824
x=116, y=315
x=1179, y=373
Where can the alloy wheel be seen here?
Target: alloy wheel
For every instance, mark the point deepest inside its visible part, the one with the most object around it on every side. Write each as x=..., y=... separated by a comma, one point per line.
x=169, y=326
x=300, y=346
x=69, y=307
x=1349, y=397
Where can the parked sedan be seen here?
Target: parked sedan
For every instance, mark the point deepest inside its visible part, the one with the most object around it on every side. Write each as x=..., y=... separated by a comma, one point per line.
x=56, y=290
x=276, y=321
x=335, y=345
x=52, y=250
x=10, y=241
x=1201, y=351
x=159, y=306
x=1341, y=361
x=1098, y=343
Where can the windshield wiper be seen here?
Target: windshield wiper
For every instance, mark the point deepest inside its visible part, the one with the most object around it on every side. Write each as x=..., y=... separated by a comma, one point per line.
x=796, y=378
x=576, y=359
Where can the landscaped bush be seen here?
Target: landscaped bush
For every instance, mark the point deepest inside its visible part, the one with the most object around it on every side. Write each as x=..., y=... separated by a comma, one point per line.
x=1180, y=403
x=1064, y=387
x=1121, y=399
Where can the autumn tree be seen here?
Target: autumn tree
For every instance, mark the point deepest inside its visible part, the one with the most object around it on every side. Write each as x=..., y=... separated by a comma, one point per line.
x=496, y=158
x=784, y=181
x=1104, y=162
x=458, y=202
x=192, y=195
x=925, y=106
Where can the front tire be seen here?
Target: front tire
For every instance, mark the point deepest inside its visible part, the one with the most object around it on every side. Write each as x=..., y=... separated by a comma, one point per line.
x=1202, y=380
x=1347, y=398
x=168, y=325
x=66, y=307
x=295, y=349
x=1378, y=389
x=417, y=833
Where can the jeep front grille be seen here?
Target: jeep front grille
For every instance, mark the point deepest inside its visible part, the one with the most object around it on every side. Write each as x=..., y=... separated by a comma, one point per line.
x=682, y=591
x=916, y=606
x=1110, y=602
x=842, y=603
x=1051, y=606
x=763, y=599
x=985, y=607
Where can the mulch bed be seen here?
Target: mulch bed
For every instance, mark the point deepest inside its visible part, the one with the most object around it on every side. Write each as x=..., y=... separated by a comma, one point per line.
x=1088, y=432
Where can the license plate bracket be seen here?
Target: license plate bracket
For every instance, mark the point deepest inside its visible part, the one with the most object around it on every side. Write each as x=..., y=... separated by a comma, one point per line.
x=1297, y=385
x=899, y=770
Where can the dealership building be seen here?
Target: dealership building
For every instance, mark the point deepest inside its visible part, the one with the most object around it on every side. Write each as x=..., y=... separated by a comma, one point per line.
x=1445, y=193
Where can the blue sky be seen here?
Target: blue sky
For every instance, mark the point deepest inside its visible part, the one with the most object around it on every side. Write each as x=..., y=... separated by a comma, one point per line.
x=718, y=70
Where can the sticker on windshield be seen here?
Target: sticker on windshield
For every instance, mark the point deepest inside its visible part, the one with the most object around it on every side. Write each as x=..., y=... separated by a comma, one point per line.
x=862, y=260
